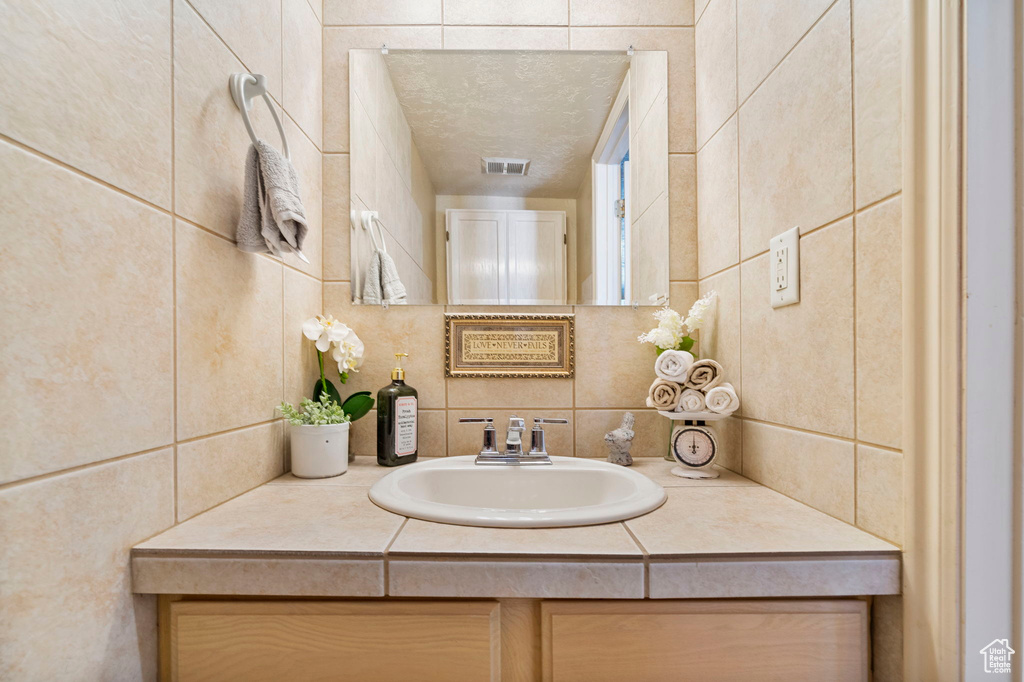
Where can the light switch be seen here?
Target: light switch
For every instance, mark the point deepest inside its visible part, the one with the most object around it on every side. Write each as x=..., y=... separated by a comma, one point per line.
x=784, y=268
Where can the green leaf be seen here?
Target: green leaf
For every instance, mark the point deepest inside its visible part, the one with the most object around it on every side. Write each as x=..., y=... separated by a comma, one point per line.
x=357, y=405
x=686, y=344
x=332, y=392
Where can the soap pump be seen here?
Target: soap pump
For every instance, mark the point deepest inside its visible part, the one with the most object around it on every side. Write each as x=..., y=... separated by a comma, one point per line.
x=397, y=419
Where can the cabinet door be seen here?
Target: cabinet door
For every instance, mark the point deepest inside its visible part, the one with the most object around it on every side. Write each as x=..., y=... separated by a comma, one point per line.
x=358, y=640
x=477, y=257
x=536, y=257
x=706, y=641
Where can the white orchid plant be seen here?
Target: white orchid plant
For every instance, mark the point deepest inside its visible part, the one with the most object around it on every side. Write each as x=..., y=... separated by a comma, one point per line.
x=346, y=349
x=674, y=331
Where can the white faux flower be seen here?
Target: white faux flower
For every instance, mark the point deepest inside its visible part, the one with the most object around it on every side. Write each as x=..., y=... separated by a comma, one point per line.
x=349, y=353
x=698, y=314
x=661, y=337
x=325, y=331
x=670, y=320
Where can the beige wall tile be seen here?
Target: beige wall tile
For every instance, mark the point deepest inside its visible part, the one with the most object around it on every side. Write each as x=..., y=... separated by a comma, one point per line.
x=302, y=300
x=432, y=437
x=302, y=59
x=466, y=439
x=469, y=392
x=336, y=44
x=337, y=224
x=306, y=159
x=767, y=31
x=798, y=360
x=215, y=469
x=89, y=83
x=640, y=13
x=718, y=226
x=678, y=42
x=252, y=29
x=76, y=616
x=210, y=141
x=524, y=12
x=612, y=368
x=683, y=294
x=650, y=428
x=87, y=319
x=416, y=330
x=318, y=8
x=720, y=338
x=715, y=68
x=730, y=443
x=887, y=638
x=506, y=38
x=229, y=334
x=879, y=324
x=354, y=12
x=812, y=469
x=796, y=131
x=880, y=492
x=878, y=113
x=682, y=211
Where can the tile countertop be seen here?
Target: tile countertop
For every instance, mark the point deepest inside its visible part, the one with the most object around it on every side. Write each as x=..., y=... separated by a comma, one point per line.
x=727, y=537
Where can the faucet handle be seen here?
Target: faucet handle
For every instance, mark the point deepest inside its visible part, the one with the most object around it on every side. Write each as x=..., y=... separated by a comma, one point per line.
x=490, y=434
x=537, y=446
x=516, y=423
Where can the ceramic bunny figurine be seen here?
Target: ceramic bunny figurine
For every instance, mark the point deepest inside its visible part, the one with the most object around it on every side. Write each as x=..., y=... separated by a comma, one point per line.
x=620, y=440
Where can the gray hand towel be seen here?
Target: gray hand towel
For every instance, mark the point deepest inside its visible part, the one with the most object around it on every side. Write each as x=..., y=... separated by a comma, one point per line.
x=382, y=284
x=272, y=219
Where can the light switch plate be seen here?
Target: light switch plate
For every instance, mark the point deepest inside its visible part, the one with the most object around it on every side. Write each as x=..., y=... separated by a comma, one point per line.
x=784, y=268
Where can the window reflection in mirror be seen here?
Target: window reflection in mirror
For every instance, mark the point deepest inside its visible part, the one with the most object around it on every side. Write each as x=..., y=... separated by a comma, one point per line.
x=508, y=178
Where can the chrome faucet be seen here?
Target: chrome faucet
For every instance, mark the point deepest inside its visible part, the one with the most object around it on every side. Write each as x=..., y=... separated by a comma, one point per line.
x=513, y=453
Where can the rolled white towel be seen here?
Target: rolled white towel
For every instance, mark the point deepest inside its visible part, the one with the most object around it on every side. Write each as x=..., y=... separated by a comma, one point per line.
x=704, y=375
x=722, y=399
x=664, y=395
x=672, y=365
x=691, y=401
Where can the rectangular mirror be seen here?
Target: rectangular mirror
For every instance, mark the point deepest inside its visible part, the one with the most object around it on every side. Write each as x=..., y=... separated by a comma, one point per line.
x=509, y=177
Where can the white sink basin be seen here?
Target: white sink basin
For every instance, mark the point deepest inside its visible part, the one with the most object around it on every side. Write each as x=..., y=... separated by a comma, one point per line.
x=570, y=492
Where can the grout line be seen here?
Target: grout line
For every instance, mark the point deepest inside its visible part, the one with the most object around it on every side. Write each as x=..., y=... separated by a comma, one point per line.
x=853, y=257
x=79, y=172
x=812, y=432
x=697, y=19
x=804, y=234
x=174, y=291
x=647, y=559
x=193, y=439
x=386, y=560
x=571, y=27
x=82, y=467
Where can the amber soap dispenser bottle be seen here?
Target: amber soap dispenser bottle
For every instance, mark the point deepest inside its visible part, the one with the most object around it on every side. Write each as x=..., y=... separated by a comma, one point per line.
x=397, y=419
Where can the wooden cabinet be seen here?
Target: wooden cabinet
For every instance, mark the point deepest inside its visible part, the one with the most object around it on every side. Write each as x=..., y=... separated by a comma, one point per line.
x=517, y=640
x=343, y=640
x=704, y=640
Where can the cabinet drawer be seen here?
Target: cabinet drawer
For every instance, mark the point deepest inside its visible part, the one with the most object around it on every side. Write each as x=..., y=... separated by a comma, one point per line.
x=704, y=640
x=294, y=640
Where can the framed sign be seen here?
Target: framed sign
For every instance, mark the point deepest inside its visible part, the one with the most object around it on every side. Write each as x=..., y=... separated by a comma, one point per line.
x=510, y=345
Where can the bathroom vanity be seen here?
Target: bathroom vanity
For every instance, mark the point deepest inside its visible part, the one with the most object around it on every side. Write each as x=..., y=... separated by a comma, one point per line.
x=308, y=579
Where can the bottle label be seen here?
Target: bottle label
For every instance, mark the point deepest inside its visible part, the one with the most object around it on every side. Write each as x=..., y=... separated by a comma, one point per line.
x=405, y=425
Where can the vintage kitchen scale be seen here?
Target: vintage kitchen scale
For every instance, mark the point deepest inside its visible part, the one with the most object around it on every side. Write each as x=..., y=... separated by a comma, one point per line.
x=693, y=444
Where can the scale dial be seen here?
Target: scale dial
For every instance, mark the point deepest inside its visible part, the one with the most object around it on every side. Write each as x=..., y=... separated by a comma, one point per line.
x=694, y=446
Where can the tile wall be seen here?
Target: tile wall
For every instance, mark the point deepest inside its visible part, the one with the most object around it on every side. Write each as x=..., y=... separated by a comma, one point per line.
x=613, y=370
x=395, y=181
x=144, y=352
x=798, y=123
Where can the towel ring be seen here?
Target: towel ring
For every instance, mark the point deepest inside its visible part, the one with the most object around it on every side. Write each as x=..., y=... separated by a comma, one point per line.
x=368, y=218
x=246, y=86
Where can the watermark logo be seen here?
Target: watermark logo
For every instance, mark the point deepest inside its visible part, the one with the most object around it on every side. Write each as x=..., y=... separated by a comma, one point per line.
x=997, y=655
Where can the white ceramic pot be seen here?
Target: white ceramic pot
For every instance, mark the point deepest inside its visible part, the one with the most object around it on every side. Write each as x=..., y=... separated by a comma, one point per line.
x=320, y=451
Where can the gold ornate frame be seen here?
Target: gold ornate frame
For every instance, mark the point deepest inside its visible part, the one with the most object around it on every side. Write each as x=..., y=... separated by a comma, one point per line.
x=559, y=364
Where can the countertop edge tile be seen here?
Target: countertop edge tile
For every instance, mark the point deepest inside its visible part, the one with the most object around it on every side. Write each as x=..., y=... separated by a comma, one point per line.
x=263, y=576
x=517, y=579
x=797, y=577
